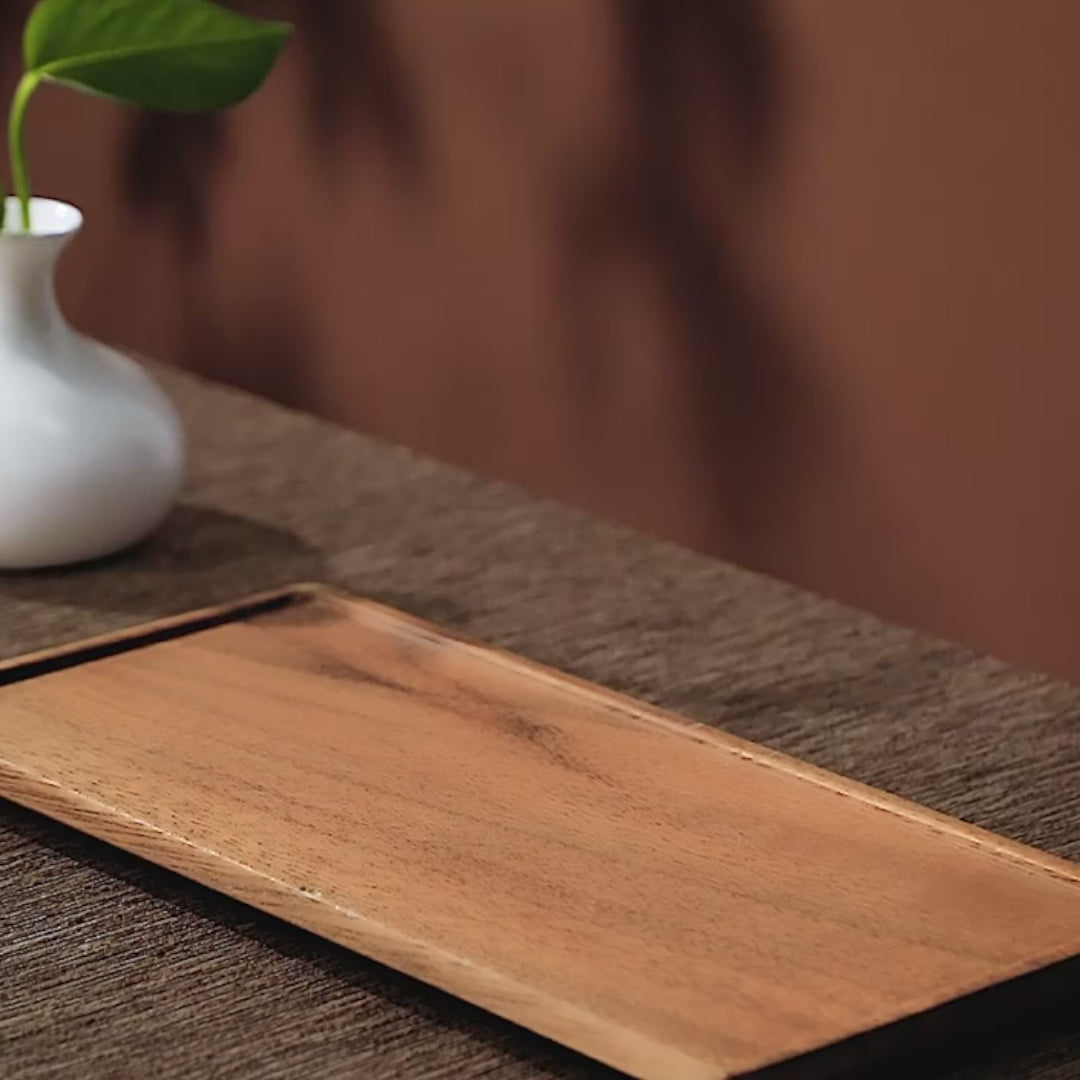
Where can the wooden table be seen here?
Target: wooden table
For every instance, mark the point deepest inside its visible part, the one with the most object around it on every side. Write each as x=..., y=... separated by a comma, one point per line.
x=109, y=967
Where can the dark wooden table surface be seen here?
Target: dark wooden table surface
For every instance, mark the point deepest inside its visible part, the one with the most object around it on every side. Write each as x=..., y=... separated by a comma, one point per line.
x=112, y=968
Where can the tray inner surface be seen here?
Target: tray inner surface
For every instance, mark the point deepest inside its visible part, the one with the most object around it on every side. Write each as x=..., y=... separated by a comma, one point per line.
x=660, y=896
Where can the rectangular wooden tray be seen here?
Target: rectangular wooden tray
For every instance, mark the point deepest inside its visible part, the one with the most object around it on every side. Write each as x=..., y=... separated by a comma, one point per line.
x=658, y=895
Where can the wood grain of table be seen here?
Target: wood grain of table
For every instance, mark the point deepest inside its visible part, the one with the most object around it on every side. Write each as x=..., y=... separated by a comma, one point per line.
x=531, y=843
x=113, y=968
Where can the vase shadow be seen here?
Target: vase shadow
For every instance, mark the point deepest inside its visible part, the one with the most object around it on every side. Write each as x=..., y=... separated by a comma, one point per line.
x=199, y=556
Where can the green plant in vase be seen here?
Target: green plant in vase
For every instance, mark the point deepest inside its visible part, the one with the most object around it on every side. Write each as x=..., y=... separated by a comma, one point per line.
x=93, y=450
x=172, y=55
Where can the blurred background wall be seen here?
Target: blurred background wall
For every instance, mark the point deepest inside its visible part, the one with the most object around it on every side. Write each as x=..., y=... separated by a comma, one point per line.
x=787, y=280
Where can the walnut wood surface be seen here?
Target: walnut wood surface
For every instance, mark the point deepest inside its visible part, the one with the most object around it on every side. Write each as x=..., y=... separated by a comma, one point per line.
x=667, y=899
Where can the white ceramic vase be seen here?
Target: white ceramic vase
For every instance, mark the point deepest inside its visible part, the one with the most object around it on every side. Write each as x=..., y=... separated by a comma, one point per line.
x=91, y=450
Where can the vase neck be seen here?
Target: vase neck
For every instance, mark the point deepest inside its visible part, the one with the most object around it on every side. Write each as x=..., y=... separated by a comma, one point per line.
x=28, y=307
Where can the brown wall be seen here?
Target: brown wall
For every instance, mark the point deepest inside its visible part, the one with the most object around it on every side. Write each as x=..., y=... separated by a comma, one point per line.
x=931, y=234
x=789, y=281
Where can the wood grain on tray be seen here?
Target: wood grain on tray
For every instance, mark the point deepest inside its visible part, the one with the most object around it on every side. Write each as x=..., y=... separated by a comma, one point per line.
x=667, y=899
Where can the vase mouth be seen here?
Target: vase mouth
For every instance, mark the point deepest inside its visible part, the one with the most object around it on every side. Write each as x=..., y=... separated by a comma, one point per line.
x=49, y=219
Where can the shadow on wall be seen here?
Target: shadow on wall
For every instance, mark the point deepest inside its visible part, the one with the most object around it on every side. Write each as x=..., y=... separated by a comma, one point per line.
x=704, y=90
x=353, y=80
x=740, y=430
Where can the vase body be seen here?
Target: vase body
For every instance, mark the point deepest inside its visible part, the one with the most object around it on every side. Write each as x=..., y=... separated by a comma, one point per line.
x=91, y=450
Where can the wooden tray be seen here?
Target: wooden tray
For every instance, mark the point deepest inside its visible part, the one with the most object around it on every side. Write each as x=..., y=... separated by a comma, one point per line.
x=658, y=895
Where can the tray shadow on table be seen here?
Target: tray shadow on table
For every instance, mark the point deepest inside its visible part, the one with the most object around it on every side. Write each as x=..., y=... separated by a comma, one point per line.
x=1019, y=1029
x=204, y=553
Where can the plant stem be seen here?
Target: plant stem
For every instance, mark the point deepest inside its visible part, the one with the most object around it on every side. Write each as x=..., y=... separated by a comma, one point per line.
x=20, y=173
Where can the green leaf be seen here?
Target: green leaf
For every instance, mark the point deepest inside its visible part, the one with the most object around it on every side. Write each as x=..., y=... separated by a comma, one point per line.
x=175, y=55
